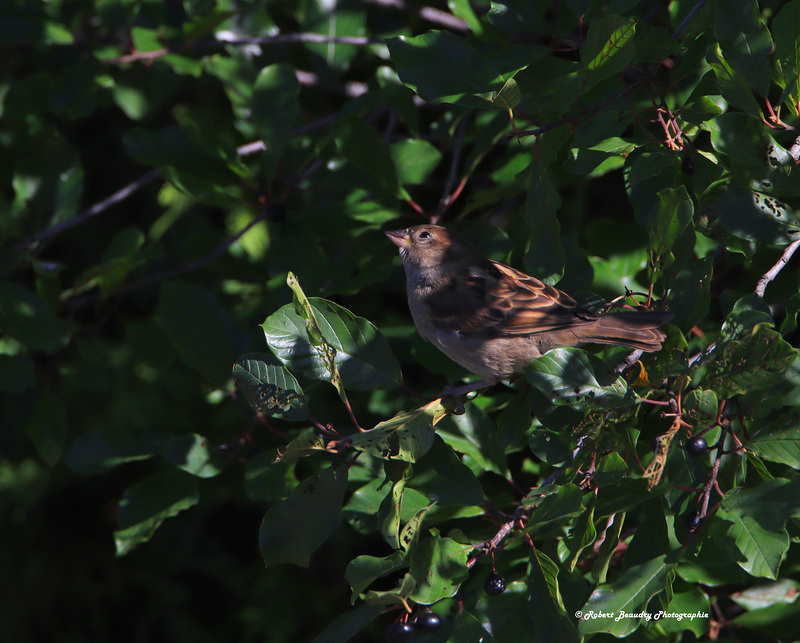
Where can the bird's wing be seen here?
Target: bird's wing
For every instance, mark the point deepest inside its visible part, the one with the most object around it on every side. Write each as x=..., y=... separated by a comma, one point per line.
x=489, y=299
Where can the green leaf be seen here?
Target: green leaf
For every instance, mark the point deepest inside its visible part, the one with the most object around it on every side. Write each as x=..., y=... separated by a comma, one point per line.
x=785, y=27
x=201, y=330
x=629, y=595
x=518, y=15
x=745, y=42
x=439, y=565
x=756, y=361
x=407, y=436
x=94, y=452
x=762, y=550
x=733, y=87
x=476, y=437
x=48, y=428
x=274, y=110
x=363, y=356
x=444, y=68
x=269, y=388
x=445, y=479
x=16, y=373
x=348, y=624
x=293, y=529
x=755, y=216
x=119, y=258
x=25, y=316
x=571, y=376
x=266, y=480
x=548, y=615
x=362, y=146
x=191, y=168
x=608, y=49
x=783, y=590
x=544, y=257
x=344, y=18
x=305, y=444
x=672, y=216
x=192, y=454
x=363, y=570
x=753, y=521
x=779, y=440
x=414, y=160
x=553, y=510
x=148, y=503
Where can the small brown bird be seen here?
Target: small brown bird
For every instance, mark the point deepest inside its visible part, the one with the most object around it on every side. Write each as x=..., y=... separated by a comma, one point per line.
x=493, y=320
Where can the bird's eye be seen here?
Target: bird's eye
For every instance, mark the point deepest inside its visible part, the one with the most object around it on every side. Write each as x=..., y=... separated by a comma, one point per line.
x=424, y=235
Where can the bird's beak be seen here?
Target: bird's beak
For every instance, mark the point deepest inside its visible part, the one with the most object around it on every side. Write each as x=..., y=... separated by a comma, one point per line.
x=400, y=238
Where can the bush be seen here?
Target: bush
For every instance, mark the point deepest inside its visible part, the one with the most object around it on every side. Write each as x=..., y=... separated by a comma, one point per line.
x=188, y=187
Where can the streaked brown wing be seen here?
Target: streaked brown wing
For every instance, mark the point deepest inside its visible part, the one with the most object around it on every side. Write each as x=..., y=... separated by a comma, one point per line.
x=490, y=299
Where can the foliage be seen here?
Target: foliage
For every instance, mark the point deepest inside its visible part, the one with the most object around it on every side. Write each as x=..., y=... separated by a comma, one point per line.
x=203, y=326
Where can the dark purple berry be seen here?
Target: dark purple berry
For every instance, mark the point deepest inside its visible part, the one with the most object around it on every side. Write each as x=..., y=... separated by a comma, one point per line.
x=655, y=443
x=495, y=584
x=399, y=632
x=696, y=446
x=429, y=622
x=687, y=165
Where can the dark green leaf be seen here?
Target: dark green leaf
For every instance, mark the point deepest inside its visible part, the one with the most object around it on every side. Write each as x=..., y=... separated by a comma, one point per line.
x=269, y=388
x=546, y=608
x=445, y=479
x=200, y=329
x=444, y=68
x=407, y=436
x=779, y=441
x=745, y=42
x=629, y=595
x=24, y=315
x=545, y=256
x=293, y=529
x=363, y=570
x=608, y=49
x=363, y=356
x=192, y=454
x=146, y=504
x=755, y=216
x=348, y=624
x=48, y=428
x=569, y=375
x=439, y=565
x=274, y=109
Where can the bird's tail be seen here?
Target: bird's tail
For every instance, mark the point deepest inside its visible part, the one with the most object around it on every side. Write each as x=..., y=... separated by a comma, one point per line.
x=638, y=330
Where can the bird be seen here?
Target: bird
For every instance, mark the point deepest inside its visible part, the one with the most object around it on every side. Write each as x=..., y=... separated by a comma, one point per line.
x=494, y=320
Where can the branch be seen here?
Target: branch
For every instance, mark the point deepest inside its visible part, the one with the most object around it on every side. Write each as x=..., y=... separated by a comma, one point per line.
x=179, y=270
x=97, y=208
x=768, y=276
x=679, y=31
x=436, y=16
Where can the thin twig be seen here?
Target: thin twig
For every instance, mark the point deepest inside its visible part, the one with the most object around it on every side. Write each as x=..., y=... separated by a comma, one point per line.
x=97, y=208
x=768, y=276
x=436, y=16
x=447, y=194
x=179, y=270
x=285, y=38
x=679, y=31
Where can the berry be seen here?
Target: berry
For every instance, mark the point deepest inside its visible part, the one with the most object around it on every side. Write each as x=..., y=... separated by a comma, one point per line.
x=655, y=443
x=696, y=446
x=429, y=622
x=495, y=584
x=399, y=632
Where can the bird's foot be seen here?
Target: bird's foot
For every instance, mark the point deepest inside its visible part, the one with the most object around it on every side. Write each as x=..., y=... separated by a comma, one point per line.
x=457, y=392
